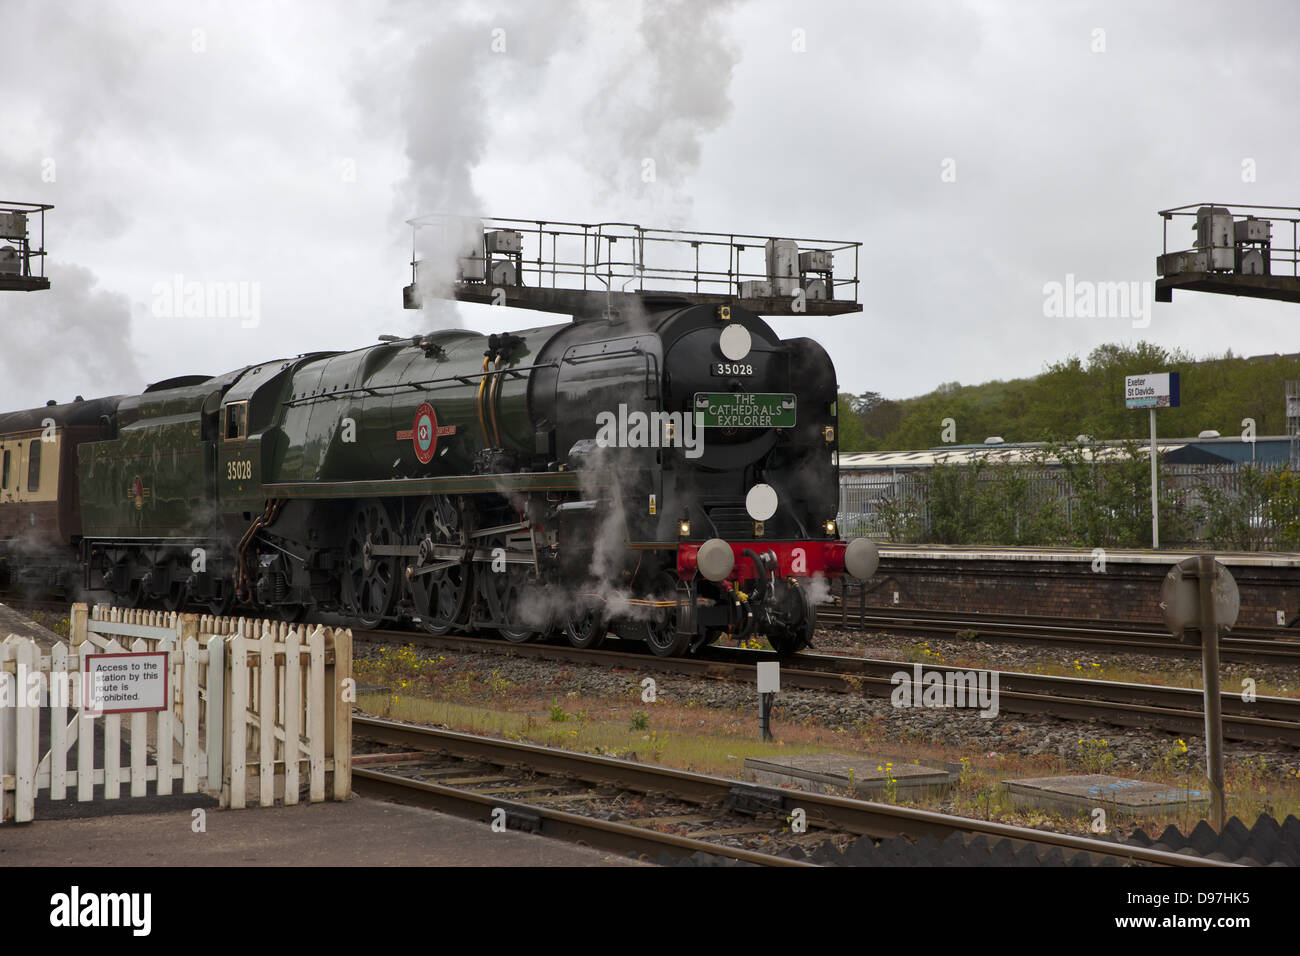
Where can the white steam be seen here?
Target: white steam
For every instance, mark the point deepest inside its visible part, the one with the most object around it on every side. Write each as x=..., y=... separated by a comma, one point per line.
x=818, y=588
x=72, y=338
x=666, y=89
x=654, y=81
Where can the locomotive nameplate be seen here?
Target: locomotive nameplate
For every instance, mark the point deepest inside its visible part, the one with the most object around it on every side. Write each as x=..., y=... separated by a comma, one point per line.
x=745, y=409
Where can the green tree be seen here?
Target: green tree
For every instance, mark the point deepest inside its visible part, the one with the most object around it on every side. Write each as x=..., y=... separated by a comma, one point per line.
x=851, y=432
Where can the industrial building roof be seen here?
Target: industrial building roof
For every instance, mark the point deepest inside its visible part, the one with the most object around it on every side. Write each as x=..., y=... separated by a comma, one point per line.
x=1265, y=449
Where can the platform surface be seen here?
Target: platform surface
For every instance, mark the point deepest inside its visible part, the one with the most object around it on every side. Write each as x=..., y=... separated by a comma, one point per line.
x=358, y=832
x=15, y=622
x=1259, y=559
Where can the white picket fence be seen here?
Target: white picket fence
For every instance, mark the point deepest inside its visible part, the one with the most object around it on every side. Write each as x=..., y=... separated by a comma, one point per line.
x=249, y=698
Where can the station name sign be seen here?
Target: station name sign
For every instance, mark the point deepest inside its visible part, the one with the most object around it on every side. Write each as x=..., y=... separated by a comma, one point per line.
x=1151, y=391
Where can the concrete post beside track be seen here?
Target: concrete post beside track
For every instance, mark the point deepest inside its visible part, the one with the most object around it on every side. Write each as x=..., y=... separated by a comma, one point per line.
x=1206, y=572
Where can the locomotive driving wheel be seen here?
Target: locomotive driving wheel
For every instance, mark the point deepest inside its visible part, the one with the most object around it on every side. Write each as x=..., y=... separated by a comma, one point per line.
x=176, y=597
x=663, y=630
x=369, y=579
x=291, y=613
x=221, y=606
x=441, y=597
x=137, y=590
x=791, y=619
x=586, y=626
x=503, y=591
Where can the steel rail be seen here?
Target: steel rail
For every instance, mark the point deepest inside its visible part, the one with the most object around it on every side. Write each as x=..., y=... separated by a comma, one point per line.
x=852, y=608
x=1282, y=650
x=557, y=824
x=853, y=816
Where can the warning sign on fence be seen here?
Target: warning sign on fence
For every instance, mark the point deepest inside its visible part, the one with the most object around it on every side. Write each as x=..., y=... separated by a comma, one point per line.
x=125, y=683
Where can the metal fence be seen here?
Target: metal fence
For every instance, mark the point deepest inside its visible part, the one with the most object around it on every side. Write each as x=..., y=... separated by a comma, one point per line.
x=880, y=503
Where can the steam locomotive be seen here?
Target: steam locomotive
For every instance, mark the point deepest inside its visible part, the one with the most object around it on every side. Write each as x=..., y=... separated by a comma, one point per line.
x=667, y=473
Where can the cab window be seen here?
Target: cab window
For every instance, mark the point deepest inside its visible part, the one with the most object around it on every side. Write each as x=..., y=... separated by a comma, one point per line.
x=236, y=421
x=34, y=465
x=4, y=471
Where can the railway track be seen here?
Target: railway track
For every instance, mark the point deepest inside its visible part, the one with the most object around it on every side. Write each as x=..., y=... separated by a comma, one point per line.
x=584, y=798
x=1258, y=645
x=839, y=609
x=1274, y=720
x=1243, y=646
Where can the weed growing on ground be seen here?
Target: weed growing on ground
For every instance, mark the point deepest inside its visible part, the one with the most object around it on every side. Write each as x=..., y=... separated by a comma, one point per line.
x=1095, y=755
x=891, y=782
x=1174, y=758
x=966, y=775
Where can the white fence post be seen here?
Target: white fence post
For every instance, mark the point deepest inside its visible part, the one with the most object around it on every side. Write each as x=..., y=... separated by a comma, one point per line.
x=86, y=723
x=60, y=687
x=237, y=740
x=266, y=697
x=165, y=728
x=342, y=729
x=316, y=693
x=77, y=621
x=29, y=662
x=8, y=734
x=215, y=729
x=292, y=714
x=190, y=717
x=140, y=738
x=112, y=742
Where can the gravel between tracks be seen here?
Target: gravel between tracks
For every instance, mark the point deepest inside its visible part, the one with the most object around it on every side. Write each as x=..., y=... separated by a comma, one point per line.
x=1282, y=680
x=1134, y=749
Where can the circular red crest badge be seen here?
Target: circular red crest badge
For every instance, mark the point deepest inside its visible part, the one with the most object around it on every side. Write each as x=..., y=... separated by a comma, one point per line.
x=425, y=434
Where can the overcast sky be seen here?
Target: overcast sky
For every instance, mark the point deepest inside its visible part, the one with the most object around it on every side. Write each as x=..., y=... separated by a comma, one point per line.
x=979, y=151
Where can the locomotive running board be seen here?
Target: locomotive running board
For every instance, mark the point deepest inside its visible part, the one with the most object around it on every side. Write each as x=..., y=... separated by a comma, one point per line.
x=450, y=485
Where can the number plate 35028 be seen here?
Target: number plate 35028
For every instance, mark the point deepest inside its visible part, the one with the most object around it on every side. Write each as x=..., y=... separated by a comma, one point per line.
x=731, y=368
